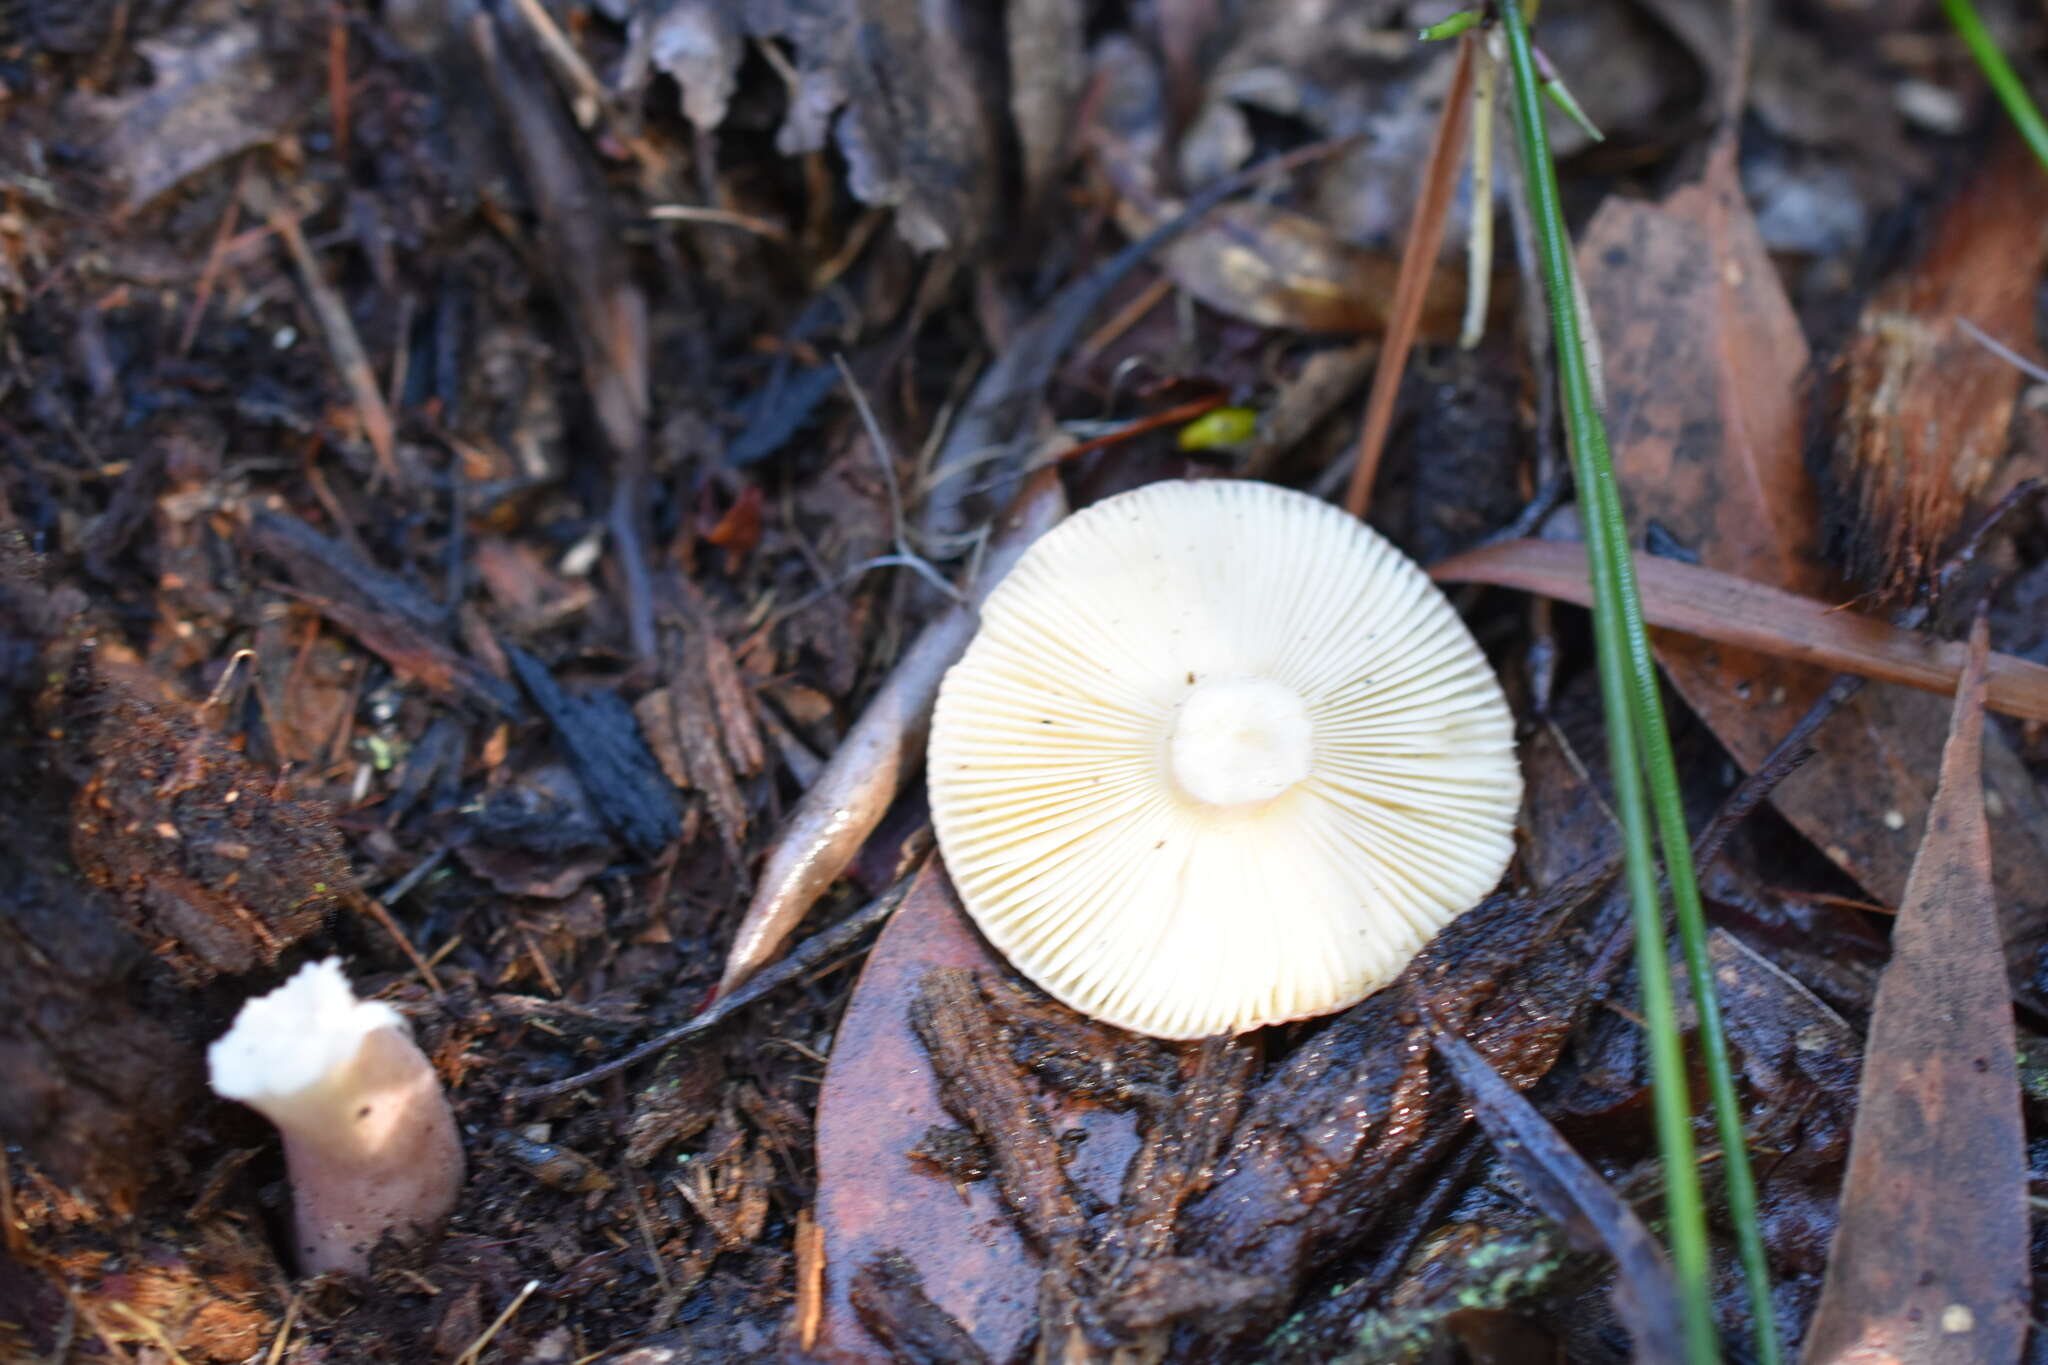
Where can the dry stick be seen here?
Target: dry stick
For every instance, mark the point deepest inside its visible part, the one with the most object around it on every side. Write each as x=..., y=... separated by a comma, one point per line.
x=1127, y=317
x=374, y=909
x=813, y=951
x=1138, y=426
x=342, y=343
x=209, y=274
x=337, y=79
x=692, y=213
x=474, y=1352
x=1479, y=237
x=1418, y=259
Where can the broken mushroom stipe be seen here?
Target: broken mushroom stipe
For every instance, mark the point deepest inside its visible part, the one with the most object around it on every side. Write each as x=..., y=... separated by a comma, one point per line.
x=1219, y=756
x=369, y=1139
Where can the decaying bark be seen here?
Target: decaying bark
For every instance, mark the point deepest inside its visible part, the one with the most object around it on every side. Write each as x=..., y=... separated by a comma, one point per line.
x=1110, y=1283
x=1236, y=1196
x=94, y=1077
x=143, y=855
x=1363, y=1108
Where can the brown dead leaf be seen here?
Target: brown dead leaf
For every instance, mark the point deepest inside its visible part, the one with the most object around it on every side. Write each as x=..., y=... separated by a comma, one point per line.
x=1258, y=261
x=1718, y=606
x=1926, y=406
x=1705, y=367
x=214, y=95
x=924, y=147
x=879, y=1101
x=1703, y=364
x=1930, y=1258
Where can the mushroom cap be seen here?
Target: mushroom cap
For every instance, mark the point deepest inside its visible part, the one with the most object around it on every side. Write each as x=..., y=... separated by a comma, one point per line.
x=1219, y=757
x=289, y=1049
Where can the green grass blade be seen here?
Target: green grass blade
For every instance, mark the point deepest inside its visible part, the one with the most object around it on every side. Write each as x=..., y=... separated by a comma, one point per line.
x=1625, y=678
x=2005, y=82
x=1692, y=937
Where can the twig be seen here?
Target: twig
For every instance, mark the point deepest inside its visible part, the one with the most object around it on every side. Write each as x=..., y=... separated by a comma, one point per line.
x=152, y=1329
x=1479, y=232
x=342, y=343
x=209, y=274
x=1418, y=261
x=337, y=79
x=284, y=1331
x=564, y=54
x=810, y=1278
x=1125, y=318
x=814, y=950
x=666, y=1304
x=691, y=213
x=884, y=456
x=1182, y=412
x=369, y=905
x=2004, y=352
x=475, y=1349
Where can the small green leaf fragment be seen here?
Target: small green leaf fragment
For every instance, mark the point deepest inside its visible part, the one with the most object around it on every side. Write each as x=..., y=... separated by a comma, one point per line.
x=1221, y=427
x=1562, y=98
x=1451, y=27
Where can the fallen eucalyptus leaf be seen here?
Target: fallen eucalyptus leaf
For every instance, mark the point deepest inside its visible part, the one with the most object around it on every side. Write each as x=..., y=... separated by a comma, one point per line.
x=1718, y=606
x=1929, y=1261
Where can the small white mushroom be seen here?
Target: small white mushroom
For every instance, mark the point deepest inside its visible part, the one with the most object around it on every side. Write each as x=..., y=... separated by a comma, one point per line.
x=368, y=1136
x=1219, y=757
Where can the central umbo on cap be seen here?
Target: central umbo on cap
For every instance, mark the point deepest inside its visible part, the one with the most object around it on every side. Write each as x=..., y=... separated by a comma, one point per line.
x=1219, y=757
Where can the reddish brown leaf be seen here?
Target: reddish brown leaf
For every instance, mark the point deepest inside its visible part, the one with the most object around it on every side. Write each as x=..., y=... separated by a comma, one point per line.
x=1705, y=375
x=1735, y=611
x=880, y=1098
x=924, y=147
x=1703, y=363
x=1930, y=1258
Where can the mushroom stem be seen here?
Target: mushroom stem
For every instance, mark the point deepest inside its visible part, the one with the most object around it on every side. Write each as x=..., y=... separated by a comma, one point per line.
x=369, y=1139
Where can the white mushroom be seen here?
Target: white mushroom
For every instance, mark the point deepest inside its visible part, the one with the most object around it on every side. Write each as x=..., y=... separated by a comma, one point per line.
x=368, y=1136
x=1219, y=757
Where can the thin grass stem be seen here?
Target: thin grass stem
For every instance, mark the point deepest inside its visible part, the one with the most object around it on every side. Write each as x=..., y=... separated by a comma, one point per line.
x=2005, y=82
x=1617, y=616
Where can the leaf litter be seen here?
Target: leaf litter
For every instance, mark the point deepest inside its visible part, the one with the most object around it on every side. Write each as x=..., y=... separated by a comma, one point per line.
x=434, y=529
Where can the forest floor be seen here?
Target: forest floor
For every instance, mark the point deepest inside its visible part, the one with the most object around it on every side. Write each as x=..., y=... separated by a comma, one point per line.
x=465, y=466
